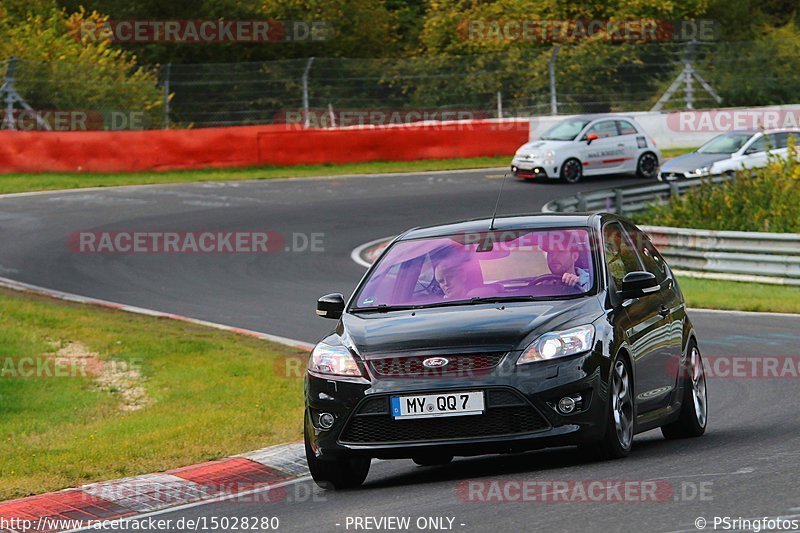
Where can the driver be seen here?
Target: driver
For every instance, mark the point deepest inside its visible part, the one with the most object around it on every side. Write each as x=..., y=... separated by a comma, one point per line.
x=451, y=276
x=561, y=261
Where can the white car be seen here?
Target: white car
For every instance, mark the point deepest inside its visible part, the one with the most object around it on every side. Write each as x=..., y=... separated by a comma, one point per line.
x=589, y=146
x=728, y=152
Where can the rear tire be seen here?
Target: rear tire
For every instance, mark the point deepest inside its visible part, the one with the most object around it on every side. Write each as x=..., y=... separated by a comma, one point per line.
x=336, y=473
x=647, y=166
x=432, y=460
x=571, y=171
x=693, y=419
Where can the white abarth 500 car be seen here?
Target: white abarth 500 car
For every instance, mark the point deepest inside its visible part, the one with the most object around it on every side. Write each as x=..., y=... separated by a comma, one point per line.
x=589, y=146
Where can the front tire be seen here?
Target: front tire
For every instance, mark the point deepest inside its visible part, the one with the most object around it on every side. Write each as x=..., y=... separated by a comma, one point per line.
x=618, y=438
x=571, y=171
x=694, y=409
x=336, y=473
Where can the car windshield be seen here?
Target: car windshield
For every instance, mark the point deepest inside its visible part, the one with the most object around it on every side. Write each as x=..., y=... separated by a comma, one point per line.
x=566, y=130
x=727, y=143
x=470, y=268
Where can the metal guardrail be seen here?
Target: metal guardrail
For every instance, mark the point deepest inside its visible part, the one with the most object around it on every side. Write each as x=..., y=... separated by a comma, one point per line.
x=731, y=255
x=625, y=199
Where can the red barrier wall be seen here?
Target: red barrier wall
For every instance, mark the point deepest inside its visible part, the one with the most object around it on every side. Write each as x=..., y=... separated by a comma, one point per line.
x=129, y=151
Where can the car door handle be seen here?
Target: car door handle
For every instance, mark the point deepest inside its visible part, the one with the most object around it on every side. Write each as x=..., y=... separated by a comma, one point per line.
x=663, y=311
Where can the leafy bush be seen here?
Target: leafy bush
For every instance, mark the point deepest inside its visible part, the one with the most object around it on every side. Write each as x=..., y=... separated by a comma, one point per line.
x=60, y=70
x=767, y=199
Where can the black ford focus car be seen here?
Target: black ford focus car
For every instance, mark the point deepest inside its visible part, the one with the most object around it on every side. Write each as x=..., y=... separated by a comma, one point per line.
x=502, y=336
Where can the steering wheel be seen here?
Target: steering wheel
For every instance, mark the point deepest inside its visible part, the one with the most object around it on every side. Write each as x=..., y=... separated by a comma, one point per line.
x=431, y=288
x=550, y=279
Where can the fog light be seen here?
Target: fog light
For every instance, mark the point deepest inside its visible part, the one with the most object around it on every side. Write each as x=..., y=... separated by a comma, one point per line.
x=514, y=169
x=326, y=420
x=566, y=405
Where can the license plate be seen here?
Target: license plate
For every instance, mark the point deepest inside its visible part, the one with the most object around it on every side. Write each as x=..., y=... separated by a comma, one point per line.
x=434, y=405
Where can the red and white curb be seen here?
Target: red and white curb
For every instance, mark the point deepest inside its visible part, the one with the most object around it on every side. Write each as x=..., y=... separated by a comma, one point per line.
x=259, y=476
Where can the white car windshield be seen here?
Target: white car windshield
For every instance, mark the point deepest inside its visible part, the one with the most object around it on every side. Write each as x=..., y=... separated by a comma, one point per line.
x=566, y=130
x=727, y=143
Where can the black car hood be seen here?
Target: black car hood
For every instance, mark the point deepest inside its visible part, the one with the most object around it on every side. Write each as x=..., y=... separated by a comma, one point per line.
x=468, y=328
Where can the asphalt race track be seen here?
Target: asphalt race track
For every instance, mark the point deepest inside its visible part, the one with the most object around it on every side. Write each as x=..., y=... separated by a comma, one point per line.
x=745, y=466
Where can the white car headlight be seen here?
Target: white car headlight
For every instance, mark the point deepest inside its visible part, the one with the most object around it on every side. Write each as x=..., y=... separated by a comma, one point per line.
x=549, y=154
x=559, y=344
x=333, y=360
x=702, y=171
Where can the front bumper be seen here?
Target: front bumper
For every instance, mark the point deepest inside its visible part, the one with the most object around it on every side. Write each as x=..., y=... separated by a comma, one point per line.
x=524, y=167
x=520, y=411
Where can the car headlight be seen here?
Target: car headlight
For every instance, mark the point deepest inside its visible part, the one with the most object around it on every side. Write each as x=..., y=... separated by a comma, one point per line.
x=702, y=171
x=333, y=360
x=559, y=344
x=549, y=154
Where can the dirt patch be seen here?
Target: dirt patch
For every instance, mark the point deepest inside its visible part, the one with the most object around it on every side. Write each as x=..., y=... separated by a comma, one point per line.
x=120, y=378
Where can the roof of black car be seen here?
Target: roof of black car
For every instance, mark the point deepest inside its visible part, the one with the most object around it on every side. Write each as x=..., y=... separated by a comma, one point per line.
x=514, y=222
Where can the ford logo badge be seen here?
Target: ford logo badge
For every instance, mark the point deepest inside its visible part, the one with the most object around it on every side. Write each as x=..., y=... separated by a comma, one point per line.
x=435, y=362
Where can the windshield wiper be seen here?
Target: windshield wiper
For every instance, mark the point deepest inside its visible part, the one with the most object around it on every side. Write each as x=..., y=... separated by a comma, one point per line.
x=383, y=308
x=498, y=299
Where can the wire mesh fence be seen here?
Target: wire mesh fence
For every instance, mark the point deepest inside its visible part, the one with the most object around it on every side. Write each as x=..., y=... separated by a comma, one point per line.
x=325, y=92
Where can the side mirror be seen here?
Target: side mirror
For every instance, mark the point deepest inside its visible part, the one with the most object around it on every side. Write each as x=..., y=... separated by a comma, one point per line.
x=638, y=284
x=331, y=306
x=591, y=137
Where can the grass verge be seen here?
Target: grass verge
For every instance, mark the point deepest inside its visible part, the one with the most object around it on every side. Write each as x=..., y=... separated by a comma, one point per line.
x=740, y=296
x=131, y=394
x=11, y=183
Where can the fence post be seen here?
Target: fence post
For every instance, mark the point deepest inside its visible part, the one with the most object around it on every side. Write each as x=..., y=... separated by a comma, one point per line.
x=551, y=67
x=305, y=92
x=499, y=104
x=619, y=201
x=8, y=120
x=167, y=73
x=581, y=202
x=674, y=192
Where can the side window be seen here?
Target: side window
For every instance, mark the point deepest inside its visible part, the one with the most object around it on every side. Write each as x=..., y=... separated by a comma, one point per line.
x=620, y=257
x=626, y=128
x=648, y=255
x=606, y=128
x=780, y=140
x=758, y=146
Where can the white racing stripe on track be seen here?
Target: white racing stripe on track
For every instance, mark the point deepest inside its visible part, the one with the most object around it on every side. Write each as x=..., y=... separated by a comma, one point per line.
x=355, y=255
x=742, y=313
x=69, y=297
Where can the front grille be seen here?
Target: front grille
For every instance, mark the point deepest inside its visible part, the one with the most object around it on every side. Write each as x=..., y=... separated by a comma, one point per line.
x=507, y=413
x=411, y=366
